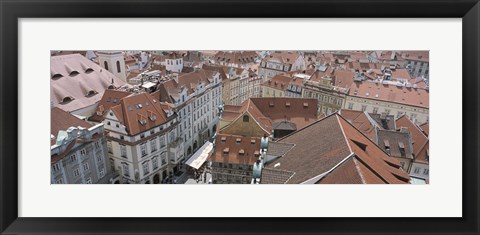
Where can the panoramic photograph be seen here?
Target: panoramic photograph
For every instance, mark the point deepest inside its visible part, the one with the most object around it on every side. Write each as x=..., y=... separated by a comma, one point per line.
x=239, y=117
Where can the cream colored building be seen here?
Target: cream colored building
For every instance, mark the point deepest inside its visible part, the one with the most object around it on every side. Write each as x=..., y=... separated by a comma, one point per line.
x=395, y=100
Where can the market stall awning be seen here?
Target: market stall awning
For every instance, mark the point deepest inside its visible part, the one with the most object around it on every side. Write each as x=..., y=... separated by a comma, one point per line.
x=197, y=160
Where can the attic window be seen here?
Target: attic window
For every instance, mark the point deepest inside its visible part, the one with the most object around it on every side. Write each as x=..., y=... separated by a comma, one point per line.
x=360, y=145
x=74, y=73
x=89, y=70
x=223, y=139
x=287, y=104
x=115, y=100
x=246, y=118
x=238, y=140
x=91, y=93
x=141, y=119
x=139, y=106
x=271, y=104
x=256, y=154
x=305, y=105
x=57, y=76
x=67, y=99
x=401, y=146
x=226, y=150
x=129, y=108
x=253, y=141
x=241, y=152
x=152, y=116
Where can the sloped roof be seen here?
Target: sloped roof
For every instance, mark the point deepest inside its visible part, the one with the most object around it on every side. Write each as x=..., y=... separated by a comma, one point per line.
x=74, y=76
x=419, y=139
x=245, y=145
x=61, y=120
x=134, y=108
x=395, y=140
x=266, y=110
x=189, y=81
x=390, y=93
x=110, y=98
x=327, y=146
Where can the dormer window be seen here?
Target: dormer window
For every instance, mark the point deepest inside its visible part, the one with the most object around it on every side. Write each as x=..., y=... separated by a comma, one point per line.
x=89, y=70
x=57, y=76
x=67, y=99
x=142, y=119
x=246, y=118
x=100, y=110
x=74, y=73
x=152, y=116
x=91, y=93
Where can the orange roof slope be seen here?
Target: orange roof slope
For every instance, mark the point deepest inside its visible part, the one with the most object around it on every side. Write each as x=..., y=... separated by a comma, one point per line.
x=236, y=149
x=137, y=109
x=390, y=93
x=332, y=146
x=419, y=139
x=61, y=120
x=109, y=99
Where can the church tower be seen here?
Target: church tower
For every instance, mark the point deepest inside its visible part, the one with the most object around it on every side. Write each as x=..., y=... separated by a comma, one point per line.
x=114, y=62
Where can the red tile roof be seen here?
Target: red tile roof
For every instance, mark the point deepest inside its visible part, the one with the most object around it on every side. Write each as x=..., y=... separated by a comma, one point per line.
x=61, y=120
x=137, y=109
x=109, y=99
x=317, y=152
x=390, y=93
x=419, y=139
x=229, y=150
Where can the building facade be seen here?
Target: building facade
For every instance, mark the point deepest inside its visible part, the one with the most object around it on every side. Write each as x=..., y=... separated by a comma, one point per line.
x=280, y=62
x=374, y=97
x=114, y=62
x=141, y=140
x=78, y=151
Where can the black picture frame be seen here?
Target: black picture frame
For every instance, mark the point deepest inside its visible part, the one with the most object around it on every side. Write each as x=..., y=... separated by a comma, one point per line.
x=12, y=10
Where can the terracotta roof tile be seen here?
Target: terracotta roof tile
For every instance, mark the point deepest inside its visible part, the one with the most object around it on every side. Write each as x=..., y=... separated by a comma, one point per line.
x=61, y=120
x=390, y=93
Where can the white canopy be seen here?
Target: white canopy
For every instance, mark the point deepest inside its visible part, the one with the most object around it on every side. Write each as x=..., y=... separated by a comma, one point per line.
x=197, y=160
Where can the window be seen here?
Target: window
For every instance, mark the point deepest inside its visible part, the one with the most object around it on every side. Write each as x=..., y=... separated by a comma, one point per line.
x=59, y=181
x=105, y=64
x=123, y=151
x=153, y=144
x=76, y=172
x=364, y=107
x=97, y=144
x=85, y=166
x=126, y=170
x=425, y=171
x=402, y=164
x=99, y=158
x=55, y=167
x=118, y=66
x=162, y=141
x=143, y=148
x=155, y=162
x=88, y=181
x=350, y=105
x=164, y=158
x=109, y=146
x=375, y=110
x=417, y=170
x=73, y=158
x=83, y=152
x=102, y=173
x=246, y=118
x=145, y=168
